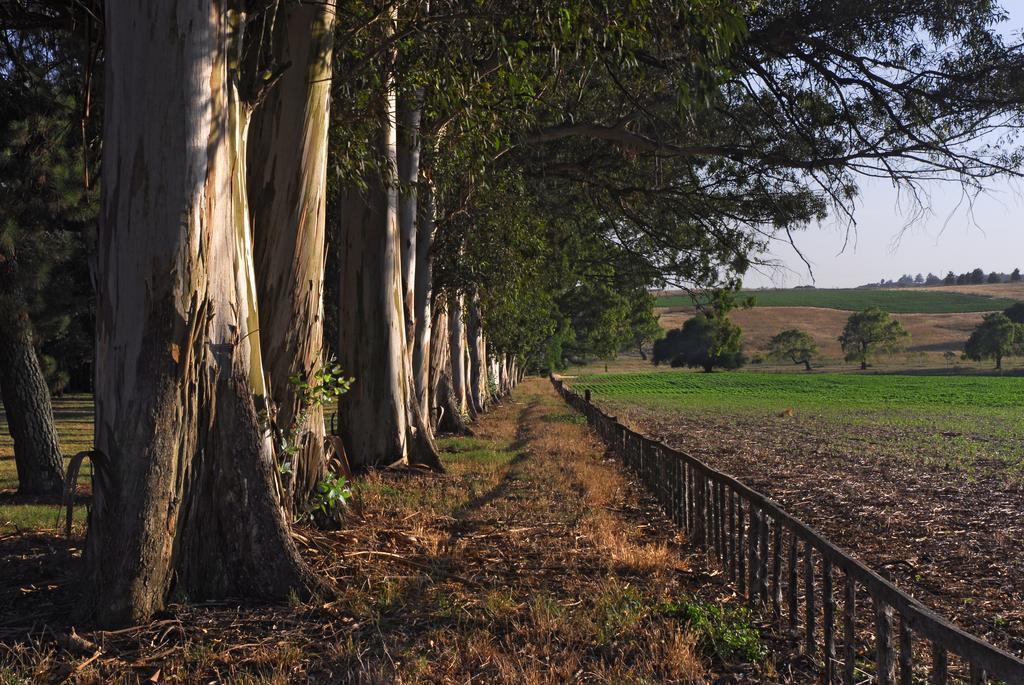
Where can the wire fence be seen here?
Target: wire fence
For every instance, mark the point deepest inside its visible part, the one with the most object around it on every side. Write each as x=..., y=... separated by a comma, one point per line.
x=855, y=625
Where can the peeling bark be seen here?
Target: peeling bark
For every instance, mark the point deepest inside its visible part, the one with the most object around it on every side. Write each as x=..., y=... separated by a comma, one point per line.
x=447, y=413
x=188, y=505
x=287, y=183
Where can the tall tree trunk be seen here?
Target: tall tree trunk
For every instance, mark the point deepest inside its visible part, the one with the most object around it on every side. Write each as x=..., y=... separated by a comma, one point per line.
x=26, y=398
x=372, y=416
x=408, y=162
x=422, y=448
x=424, y=324
x=380, y=419
x=446, y=409
x=186, y=500
x=477, y=358
x=439, y=367
x=287, y=184
x=458, y=354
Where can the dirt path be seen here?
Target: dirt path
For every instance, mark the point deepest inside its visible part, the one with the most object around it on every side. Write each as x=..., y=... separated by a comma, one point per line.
x=531, y=561
x=950, y=539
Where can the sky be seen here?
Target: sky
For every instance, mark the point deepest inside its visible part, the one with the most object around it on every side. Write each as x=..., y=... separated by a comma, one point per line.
x=892, y=237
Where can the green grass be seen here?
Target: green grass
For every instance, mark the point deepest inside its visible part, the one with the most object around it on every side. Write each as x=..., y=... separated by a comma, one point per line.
x=73, y=414
x=728, y=632
x=896, y=301
x=749, y=390
x=969, y=423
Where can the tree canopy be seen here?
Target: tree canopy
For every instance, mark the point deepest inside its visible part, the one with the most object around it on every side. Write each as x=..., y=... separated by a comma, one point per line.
x=870, y=332
x=997, y=336
x=793, y=345
x=703, y=342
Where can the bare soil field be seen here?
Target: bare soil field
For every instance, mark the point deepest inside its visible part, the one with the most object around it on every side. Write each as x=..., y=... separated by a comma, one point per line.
x=953, y=538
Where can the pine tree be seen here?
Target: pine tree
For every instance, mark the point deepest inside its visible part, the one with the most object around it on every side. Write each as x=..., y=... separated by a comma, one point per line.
x=46, y=217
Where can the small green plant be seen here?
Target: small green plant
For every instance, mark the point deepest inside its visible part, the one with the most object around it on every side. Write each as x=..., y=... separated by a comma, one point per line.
x=321, y=388
x=728, y=633
x=333, y=491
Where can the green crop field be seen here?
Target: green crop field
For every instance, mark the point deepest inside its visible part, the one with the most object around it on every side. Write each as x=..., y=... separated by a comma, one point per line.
x=896, y=301
x=751, y=390
x=954, y=421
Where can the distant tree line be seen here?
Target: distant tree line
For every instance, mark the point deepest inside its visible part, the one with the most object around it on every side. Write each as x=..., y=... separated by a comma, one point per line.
x=977, y=276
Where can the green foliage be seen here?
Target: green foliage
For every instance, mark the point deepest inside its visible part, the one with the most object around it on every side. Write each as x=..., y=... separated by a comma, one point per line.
x=997, y=336
x=855, y=299
x=794, y=345
x=726, y=632
x=869, y=332
x=702, y=342
x=323, y=387
x=643, y=323
x=1015, y=312
x=331, y=492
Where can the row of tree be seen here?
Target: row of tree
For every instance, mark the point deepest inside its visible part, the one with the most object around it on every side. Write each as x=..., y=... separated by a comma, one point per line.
x=866, y=334
x=873, y=331
x=975, y=277
x=710, y=342
x=427, y=198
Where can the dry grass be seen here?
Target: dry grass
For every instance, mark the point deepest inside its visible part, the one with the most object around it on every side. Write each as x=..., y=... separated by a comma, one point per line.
x=533, y=560
x=1011, y=291
x=928, y=332
x=601, y=486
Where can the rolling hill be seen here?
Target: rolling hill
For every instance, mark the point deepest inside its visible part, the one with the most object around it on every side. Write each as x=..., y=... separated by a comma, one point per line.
x=905, y=300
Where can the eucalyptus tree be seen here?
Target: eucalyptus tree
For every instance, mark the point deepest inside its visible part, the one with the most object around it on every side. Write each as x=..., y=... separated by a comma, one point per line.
x=185, y=492
x=783, y=110
x=381, y=421
x=417, y=81
x=287, y=187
